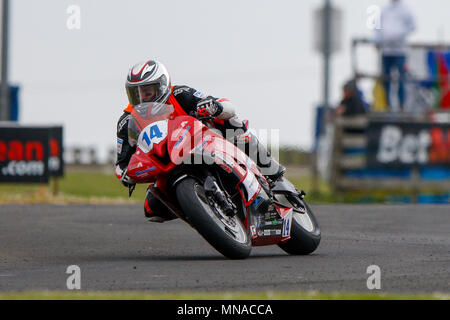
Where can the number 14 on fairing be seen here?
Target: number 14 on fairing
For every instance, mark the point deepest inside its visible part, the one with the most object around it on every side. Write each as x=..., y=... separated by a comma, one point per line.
x=153, y=133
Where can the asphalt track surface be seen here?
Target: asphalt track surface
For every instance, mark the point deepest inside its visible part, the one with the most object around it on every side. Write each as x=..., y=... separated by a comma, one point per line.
x=116, y=248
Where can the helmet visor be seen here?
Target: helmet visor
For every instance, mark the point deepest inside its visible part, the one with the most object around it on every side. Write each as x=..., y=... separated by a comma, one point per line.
x=143, y=93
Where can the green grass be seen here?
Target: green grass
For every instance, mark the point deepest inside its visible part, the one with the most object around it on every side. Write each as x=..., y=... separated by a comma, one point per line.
x=78, y=185
x=130, y=295
x=90, y=184
x=99, y=185
x=323, y=194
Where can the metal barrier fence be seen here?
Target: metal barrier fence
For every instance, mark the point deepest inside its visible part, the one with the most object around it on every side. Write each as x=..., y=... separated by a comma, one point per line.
x=380, y=152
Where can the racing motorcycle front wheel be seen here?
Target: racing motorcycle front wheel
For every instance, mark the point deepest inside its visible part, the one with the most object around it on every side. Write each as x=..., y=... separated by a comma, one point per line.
x=226, y=234
x=305, y=233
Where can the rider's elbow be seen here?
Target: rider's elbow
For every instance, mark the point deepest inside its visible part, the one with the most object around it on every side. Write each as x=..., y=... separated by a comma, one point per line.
x=228, y=111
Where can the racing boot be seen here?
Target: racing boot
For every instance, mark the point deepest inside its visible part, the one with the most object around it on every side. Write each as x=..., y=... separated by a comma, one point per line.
x=155, y=210
x=278, y=174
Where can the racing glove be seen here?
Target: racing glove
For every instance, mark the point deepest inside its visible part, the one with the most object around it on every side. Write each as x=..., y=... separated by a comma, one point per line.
x=209, y=108
x=126, y=180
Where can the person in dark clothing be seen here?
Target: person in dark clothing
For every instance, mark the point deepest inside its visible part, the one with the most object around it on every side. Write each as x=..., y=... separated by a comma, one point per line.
x=351, y=104
x=149, y=82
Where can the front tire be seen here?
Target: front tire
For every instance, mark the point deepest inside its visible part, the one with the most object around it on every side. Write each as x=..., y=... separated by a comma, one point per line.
x=305, y=234
x=226, y=235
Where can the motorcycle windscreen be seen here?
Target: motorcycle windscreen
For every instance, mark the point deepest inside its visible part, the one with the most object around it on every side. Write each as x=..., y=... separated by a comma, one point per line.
x=144, y=114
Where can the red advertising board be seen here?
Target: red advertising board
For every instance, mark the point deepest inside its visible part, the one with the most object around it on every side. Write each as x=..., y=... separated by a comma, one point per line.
x=30, y=154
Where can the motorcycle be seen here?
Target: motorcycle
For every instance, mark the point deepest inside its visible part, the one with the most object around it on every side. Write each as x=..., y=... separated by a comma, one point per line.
x=215, y=187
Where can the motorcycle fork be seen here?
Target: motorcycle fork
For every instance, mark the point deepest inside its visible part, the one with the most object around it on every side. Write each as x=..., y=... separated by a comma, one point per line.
x=220, y=195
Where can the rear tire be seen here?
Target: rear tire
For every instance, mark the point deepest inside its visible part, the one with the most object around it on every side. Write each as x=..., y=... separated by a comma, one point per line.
x=232, y=242
x=304, y=239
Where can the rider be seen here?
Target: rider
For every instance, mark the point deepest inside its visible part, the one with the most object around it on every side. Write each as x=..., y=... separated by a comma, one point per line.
x=150, y=82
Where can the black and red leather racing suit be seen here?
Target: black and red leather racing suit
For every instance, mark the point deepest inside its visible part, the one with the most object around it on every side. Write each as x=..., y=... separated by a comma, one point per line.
x=184, y=99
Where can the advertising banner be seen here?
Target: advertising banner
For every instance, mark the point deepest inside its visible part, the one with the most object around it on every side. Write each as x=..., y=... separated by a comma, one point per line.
x=405, y=144
x=30, y=154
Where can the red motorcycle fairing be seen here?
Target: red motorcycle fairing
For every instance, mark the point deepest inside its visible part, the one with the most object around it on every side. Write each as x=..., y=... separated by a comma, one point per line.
x=147, y=167
x=271, y=227
x=190, y=137
x=185, y=134
x=147, y=163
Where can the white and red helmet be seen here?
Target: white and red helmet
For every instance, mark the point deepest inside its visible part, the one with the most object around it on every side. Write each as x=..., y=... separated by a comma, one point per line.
x=148, y=82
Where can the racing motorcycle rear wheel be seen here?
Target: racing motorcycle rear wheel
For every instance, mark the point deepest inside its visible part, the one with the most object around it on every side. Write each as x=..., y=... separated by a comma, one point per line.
x=305, y=233
x=226, y=234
